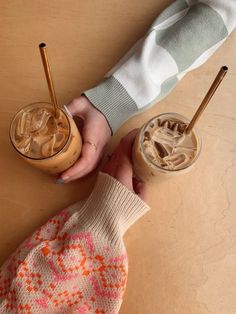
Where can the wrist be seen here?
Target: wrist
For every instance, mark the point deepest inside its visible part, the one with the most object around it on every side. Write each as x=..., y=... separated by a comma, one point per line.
x=91, y=109
x=111, y=209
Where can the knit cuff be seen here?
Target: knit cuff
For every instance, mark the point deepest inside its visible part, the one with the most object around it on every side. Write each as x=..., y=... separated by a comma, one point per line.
x=111, y=208
x=113, y=101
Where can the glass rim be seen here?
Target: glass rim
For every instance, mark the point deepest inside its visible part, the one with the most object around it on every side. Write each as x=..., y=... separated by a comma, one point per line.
x=194, y=130
x=41, y=158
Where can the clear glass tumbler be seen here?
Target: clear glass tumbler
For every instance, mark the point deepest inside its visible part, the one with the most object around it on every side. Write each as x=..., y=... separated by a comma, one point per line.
x=61, y=159
x=144, y=167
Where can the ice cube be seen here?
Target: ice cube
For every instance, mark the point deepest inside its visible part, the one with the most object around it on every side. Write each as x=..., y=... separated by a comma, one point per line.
x=39, y=119
x=23, y=125
x=60, y=138
x=48, y=145
x=177, y=160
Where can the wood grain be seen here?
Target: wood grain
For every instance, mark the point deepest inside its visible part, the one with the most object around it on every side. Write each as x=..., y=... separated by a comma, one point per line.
x=183, y=252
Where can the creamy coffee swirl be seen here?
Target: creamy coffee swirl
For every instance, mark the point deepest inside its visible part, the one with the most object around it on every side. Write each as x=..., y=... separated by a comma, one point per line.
x=166, y=145
x=38, y=133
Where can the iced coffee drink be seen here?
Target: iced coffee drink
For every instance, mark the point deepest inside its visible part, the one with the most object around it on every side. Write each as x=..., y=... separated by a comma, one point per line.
x=162, y=148
x=48, y=142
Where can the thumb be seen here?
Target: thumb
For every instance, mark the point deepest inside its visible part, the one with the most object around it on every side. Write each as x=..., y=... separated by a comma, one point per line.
x=95, y=133
x=90, y=155
x=140, y=188
x=78, y=106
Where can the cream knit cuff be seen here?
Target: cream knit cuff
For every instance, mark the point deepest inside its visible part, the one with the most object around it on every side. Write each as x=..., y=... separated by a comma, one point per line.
x=111, y=209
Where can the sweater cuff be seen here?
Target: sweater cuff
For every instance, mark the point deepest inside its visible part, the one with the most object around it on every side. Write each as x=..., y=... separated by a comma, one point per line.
x=111, y=208
x=113, y=101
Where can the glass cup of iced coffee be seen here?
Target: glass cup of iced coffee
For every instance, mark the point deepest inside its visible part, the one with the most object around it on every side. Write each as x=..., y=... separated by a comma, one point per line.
x=162, y=148
x=47, y=141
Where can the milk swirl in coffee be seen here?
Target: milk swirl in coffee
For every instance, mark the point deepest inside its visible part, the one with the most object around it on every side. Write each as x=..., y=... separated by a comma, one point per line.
x=162, y=148
x=166, y=144
x=48, y=142
x=38, y=134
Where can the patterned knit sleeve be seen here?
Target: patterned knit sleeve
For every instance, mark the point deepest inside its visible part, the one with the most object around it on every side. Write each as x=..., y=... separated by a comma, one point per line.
x=181, y=39
x=76, y=262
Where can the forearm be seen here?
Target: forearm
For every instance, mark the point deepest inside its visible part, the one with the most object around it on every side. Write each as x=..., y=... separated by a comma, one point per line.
x=182, y=38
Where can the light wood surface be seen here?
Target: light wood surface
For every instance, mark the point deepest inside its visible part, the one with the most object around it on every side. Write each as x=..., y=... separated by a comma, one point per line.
x=183, y=253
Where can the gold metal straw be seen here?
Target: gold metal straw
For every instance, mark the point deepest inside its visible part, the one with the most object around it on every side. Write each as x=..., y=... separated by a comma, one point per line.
x=207, y=98
x=43, y=52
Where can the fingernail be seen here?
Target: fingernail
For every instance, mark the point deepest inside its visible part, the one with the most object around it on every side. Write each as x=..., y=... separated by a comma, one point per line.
x=60, y=181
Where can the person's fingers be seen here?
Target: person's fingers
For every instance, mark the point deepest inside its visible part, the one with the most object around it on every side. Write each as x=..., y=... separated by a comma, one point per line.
x=95, y=137
x=119, y=166
x=111, y=165
x=140, y=188
x=124, y=172
x=124, y=149
x=78, y=106
x=95, y=133
x=85, y=164
x=127, y=142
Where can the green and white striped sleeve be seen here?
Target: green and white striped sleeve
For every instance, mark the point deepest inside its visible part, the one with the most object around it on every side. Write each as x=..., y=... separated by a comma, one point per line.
x=181, y=39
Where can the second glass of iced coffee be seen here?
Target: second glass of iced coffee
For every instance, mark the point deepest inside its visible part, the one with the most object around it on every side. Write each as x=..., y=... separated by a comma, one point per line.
x=169, y=144
x=162, y=148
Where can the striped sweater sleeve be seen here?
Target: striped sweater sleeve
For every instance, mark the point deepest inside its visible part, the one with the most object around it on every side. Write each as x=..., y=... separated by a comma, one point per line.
x=181, y=39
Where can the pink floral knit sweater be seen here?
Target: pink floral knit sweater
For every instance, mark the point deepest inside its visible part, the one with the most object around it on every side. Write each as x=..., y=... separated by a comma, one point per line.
x=76, y=262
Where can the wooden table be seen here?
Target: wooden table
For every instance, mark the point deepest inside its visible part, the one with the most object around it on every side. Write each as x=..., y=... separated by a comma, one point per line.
x=183, y=253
